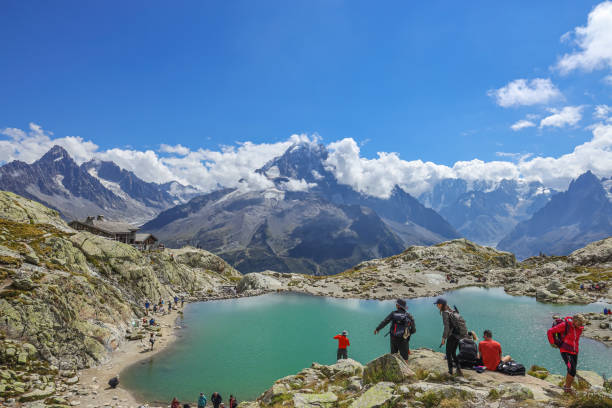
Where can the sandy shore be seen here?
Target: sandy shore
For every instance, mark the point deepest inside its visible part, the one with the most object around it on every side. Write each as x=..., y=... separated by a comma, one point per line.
x=92, y=390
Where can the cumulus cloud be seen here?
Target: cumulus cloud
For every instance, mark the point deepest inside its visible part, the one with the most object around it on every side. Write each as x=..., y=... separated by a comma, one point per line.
x=177, y=149
x=522, y=124
x=594, y=42
x=522, y=92
x=234, y=166
x=602, y=112
x=568, y=116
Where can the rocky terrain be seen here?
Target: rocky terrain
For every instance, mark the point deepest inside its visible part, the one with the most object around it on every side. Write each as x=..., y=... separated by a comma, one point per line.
x=67, y=298
x=389, y=382
x=428, y=271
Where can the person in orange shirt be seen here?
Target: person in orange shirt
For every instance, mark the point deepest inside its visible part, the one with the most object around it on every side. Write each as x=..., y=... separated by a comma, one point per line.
x=490, y=352
x=343, y=343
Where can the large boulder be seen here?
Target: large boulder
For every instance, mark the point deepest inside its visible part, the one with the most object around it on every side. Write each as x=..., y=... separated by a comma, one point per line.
x=343, y=368
x=390, y=367
x=590, y=377
x=595, y=253
x=324, y=400
x=257, y=281
x=376, y=396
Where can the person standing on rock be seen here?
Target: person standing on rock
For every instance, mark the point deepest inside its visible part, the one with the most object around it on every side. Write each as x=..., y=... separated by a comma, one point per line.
x=454, y=330
x=570, y=330
x=175, y=403
x=147, y=306
x=343, y=343
x=232, y=402
x=402, y=327
x=216, y=399
x=202, y=401
x=152, y=340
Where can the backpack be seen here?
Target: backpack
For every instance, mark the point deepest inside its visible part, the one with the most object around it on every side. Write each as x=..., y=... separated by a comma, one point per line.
x=402, y=325
x=511, y=368
x=468, y=353
x=458, y=326
x=560, y=337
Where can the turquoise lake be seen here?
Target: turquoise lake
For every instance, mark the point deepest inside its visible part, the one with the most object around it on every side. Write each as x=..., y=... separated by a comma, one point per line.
x=242, y=346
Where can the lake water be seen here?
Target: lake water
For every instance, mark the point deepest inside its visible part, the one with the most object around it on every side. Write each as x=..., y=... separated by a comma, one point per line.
x=242, y=346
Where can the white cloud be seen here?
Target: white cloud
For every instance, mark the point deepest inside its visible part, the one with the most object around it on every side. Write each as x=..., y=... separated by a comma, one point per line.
x=594, y=42
x=522, y=92
x=602, y=112
x=568, y=116
x=522, y=124
x=177, y=149
x=608, y=80
x=234, y=166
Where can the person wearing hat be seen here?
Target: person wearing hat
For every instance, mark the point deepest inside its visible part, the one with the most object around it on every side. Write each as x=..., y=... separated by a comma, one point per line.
x=454, y=330
x=343, y=343
x=572, y=327
x=402, y=327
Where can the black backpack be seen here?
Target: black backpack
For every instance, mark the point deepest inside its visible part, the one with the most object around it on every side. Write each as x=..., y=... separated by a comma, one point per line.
x=459, y=328
x=560, y=337
x=402, y=323
x=468, y=353
x=511, y=368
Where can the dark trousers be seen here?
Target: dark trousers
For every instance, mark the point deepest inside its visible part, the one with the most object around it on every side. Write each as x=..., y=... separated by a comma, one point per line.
x=400, y=345
x=571, y=362
x=342, y=354
x=451, y=353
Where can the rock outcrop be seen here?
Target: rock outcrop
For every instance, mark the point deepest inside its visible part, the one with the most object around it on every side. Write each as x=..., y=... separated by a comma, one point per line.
x=423, y=382
x=71, y=295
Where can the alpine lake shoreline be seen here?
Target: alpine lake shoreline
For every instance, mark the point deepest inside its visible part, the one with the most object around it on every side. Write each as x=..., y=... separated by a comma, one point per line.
x=68, y=300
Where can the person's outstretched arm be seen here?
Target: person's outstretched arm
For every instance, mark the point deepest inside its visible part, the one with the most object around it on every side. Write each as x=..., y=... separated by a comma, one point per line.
x=383, y=323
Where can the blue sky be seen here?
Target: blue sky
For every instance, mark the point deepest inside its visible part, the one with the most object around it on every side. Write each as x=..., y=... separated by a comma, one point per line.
x=406, y=77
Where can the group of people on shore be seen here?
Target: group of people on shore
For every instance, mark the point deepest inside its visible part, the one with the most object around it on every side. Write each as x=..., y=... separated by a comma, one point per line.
x=215, y=399
x=162, y=307
x=487, y=354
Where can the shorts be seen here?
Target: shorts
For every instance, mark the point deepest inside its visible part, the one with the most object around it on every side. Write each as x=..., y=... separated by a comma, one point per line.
x=571, y=361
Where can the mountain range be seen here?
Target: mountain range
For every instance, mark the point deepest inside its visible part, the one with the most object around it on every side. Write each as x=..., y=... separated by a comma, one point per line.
x=307, y=221
x=94, y=187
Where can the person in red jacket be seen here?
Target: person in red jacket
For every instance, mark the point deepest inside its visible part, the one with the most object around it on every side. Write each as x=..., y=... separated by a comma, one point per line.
x=343, y=343
x=572, y=328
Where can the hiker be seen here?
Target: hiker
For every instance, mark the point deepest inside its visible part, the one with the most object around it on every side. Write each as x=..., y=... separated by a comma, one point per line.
x=152, y=322
x=454, y=329
x=400, y=330
x=169, y=307
x=569, y=331
x=216, y=399
x=343, y=343
x=468, y=351
x=175, y=300
x=147, y=305
x=152, y=340
x=182, y=300
x=232, y=402
x=201, y=401
x=490, y=352
x=154, y=308
x=113, y=382
x=175, y=403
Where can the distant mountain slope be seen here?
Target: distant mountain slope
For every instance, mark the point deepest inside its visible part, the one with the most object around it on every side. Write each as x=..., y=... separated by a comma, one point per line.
x=569, y=221
x=412, y=221
x=486, y=212
x=307, y=222
x=93, y=188
x=278, y=230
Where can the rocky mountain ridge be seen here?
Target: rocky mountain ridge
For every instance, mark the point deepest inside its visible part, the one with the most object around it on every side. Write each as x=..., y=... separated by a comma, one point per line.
x=570, y=220
x=95, y=187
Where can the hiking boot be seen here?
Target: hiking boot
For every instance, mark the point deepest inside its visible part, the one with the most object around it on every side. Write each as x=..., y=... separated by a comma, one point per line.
x=459, y=372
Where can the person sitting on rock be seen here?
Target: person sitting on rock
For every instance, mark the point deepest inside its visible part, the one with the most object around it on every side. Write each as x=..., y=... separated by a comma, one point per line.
x=572, y=327
x=468, y=351
x=343, y=343
x=175, y=403
x=490, y=352
x=113, y=382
